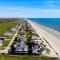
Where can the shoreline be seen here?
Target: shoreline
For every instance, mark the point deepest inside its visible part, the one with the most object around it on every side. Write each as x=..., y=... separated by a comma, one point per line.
x=52, y=31
x=49, y=35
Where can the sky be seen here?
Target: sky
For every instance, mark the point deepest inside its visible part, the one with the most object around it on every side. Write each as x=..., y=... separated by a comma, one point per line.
x=30, y=8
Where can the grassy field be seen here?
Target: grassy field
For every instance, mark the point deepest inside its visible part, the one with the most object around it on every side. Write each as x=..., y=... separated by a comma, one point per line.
x=6, y=25
x=5, y=44
x=22, y=57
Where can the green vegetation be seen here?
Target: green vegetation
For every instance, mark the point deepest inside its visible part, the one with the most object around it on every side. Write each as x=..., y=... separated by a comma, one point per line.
x=6, y=25
x=10, y=37
x=28, y=35
x=28, y=32
x=23, y=57
x=5, y=43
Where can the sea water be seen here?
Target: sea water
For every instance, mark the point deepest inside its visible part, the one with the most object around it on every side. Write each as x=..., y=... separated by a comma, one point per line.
x=53, y=23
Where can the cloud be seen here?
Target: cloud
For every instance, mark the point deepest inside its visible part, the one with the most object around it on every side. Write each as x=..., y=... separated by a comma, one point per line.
x=50, y=3
x=53, y=3
x=28, y=12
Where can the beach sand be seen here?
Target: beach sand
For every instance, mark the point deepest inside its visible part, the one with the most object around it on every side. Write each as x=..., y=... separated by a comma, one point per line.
x=49, y=35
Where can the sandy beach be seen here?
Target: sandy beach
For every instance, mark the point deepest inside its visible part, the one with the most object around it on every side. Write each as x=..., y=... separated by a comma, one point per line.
x=50, y=35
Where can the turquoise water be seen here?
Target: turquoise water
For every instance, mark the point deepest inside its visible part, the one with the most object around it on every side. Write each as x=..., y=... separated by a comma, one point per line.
x=53, y=23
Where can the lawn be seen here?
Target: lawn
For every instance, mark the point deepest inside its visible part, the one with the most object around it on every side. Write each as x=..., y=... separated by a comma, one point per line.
x=6, y=25
x=22, y=57
x=5, y=44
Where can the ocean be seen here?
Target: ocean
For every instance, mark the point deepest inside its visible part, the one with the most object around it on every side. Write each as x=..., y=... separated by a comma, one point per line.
x=53, y=23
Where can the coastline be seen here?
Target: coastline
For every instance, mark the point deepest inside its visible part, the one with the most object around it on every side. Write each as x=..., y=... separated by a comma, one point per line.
x=52, y=31
x=51, y=36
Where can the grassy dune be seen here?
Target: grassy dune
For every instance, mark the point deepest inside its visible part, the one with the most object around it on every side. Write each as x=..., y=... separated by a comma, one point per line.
x=6, y=25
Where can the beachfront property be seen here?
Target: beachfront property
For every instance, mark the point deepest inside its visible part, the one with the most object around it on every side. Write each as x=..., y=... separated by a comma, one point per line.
x=29, y=29
x=28, y=42
x=24, y=40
